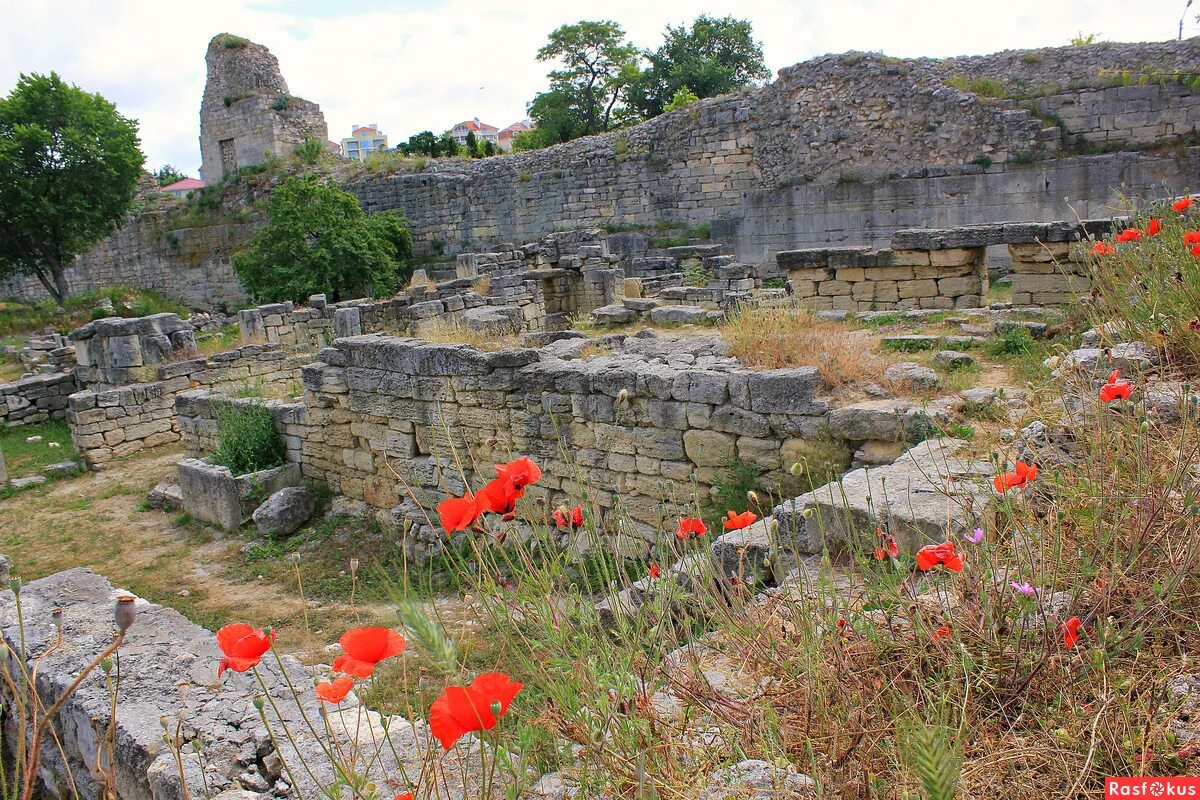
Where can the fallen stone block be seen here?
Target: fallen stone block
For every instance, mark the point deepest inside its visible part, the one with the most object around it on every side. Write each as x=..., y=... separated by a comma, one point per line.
x=285, y=511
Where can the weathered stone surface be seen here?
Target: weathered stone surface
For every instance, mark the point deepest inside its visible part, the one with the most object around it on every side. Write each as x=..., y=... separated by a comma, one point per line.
x=26, y=482
x=885, y=420
x=613, y=315
x=953, y=359
x=163, y=650
x=1132, y=358
x=928, y=494
x=912, y=375
x=757, y=780
x=214, y=495
x=678, y=315
x=284, y=511
x=494, y=319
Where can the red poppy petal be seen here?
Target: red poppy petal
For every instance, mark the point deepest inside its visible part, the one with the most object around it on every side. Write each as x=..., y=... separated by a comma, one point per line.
x=350, y=665
x=443, y=724
x=334, y=691
x=372, y=644
x=495, y=687
x=228, y=636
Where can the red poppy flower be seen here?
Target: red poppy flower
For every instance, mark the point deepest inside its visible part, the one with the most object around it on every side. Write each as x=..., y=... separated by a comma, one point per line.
x=366, y=647
x=1115, y=388
x=335, y=691
x=478, y=707
x=569, y=518
x=1182, y=204
x=500, y=497
x=1154, y=227
x=735, y=522
x=1195, y=251
x=1191, y=237
x=243, y=647
x=521, y=472
x=458, y=513
x=887, y=546
x=655, y=571
x=1024, y=473
x=942, y=633
x=1129, y=235
x=1103, y=249
x=931, y=555
x=405, y=796
x=1071, y=632
x=689, y=527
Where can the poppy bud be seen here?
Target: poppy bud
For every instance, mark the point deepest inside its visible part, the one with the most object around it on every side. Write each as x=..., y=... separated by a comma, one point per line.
x=808, y=512
x=295, y=558
x=125, y=612
x=106, y=666
x=166, y=723
x=258, y=703
x=354, y=566
x=752, y=496
x=267, y=631
x=15, y=584
x=496, y=707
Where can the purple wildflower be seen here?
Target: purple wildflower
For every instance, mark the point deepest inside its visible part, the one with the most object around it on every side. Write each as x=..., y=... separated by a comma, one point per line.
x=1024, y=588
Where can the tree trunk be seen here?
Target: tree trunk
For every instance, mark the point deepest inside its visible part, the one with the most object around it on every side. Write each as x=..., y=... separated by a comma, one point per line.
x=60, y=282
x=50, y=286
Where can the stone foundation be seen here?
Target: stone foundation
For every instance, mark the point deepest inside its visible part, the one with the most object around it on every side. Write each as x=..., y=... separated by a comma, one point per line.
x=36, y=399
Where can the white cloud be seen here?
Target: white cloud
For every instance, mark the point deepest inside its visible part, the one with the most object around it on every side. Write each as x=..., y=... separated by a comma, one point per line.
x=425, y=64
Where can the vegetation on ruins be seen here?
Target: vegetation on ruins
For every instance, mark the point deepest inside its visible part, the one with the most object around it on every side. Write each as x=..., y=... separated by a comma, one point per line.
x=69, y=166
x=715, y=56
x=78, y=309
x=247, y=440
x=318, y=240
x=426, y=143
x=603, y=85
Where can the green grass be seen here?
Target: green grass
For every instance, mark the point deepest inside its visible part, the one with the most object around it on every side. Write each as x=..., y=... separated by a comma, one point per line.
x=23, y=459
x=23, y=318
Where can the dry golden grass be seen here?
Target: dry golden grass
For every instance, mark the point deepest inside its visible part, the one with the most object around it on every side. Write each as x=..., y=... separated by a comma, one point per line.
x=775, y=338
x=449, y=331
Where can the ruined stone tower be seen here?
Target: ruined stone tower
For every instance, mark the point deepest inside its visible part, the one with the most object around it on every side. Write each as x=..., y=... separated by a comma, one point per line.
x=247, y=111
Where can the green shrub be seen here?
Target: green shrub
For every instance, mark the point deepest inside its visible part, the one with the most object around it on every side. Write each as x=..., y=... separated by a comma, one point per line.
x=1013, y=342
x=247, y=440
x=310, y=150
x=233, y=42
x=281, y=102
x=733, y=488
x=982, y=161
x=683, y=97
x=318, y=240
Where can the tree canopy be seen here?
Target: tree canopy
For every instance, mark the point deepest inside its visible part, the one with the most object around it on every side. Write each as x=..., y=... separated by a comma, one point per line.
x=584, y=96
x=168, y=174
x=713, y=57
x=602, y=85
x=69, y=167
x=318, y=240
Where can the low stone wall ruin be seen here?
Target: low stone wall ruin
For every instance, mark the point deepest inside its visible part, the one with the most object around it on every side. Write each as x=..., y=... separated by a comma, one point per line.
x=115, y=422
x=36, y=399
x=946, y=268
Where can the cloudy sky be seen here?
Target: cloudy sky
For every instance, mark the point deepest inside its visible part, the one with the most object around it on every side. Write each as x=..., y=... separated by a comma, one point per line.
x=412, y=65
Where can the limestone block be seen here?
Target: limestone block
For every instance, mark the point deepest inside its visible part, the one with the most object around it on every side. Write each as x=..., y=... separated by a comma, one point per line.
x=833, y=288
x=708, y=448
x=955, y=256
x=917, y=288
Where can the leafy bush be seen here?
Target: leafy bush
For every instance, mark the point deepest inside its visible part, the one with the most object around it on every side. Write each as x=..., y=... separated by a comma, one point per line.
x=318, y=240
x=1013, y=342
x=247, y=440
x=683, y=97
x=309, y=151
x=233, y=42
x=281, y=102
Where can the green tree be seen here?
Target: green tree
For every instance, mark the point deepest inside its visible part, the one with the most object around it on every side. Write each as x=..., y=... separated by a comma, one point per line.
x=421, y=144
x=489, y=149
x=712, y=57
x=472, y=145
x=69, y=166
x=318, y=240
x=168, y=174
x=447, y=146
x=584, y=96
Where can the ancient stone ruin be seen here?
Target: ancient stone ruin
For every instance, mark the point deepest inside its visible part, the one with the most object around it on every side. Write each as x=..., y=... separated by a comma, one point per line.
x=247, y=111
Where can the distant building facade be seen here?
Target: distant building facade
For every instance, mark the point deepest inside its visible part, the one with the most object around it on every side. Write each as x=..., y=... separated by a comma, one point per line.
x=483, y=132
x=364, y=140
x=505, y=137
x=181, y=189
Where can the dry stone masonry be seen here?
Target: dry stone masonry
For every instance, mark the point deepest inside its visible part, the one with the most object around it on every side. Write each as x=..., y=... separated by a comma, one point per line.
x=247, y=111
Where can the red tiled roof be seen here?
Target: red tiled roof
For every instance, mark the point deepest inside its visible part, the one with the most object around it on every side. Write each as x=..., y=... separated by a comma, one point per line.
x=187, y=184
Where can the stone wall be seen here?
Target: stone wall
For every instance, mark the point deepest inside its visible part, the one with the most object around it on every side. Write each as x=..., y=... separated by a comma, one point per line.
x=191, y=265
x=115, y=422
x=842, y=149
x=946, y=268
x=36, y=398
x=116, y=351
